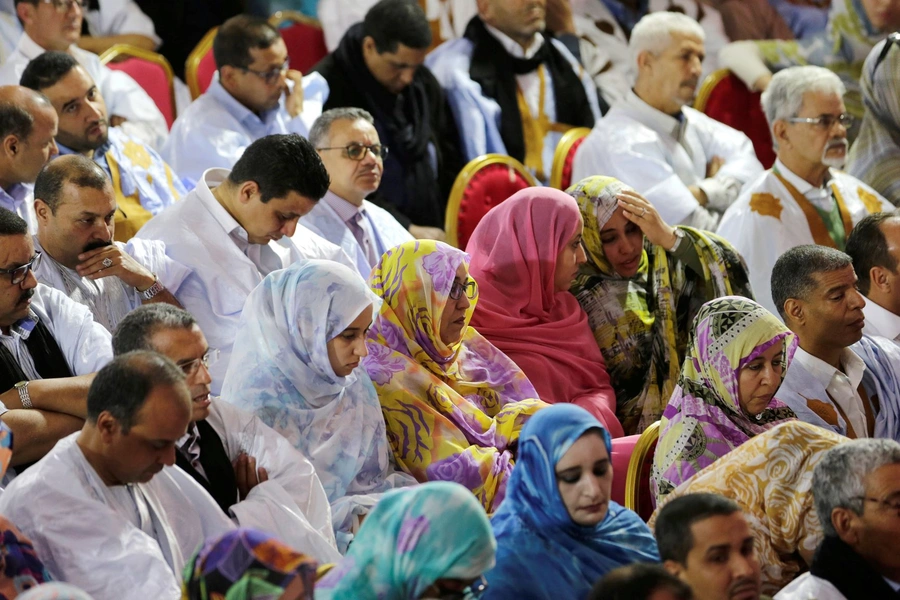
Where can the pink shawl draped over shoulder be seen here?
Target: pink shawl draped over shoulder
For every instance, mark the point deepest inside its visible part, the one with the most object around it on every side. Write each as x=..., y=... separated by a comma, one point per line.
x=514, y=250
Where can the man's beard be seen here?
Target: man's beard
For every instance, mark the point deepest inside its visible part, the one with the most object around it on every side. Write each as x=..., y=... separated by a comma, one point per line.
x=836, y=162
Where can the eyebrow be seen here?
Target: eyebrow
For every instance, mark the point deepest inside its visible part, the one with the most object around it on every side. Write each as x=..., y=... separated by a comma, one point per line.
x=575, y=469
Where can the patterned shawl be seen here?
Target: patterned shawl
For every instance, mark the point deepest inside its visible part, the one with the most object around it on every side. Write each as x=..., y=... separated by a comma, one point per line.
x=704, y=419
x=875, y=155
x=410, y=540
x=642, y=323
x=247, y=564
x=452, y=412
x=541, y=552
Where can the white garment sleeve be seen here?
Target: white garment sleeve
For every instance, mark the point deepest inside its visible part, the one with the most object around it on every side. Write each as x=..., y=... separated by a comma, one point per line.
x=337, y=16
x=315, y=94
x=152, y=255
x=119, y=17
x=87, y=345
x=744, y=59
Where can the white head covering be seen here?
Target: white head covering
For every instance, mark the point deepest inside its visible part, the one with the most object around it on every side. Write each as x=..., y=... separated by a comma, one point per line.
x=54, y=591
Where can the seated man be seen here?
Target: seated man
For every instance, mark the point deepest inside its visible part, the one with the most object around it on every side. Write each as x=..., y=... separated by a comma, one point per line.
x=838, y=379
x=237, y=227
x=253, y=473
x=378, y=67
x=512, y=90
x=803, y=198
x=75, y=205
x=49, y=349
x=874, y=246
x=353, y=155
x=106, y=509
x=857, y=488
x=144, y=184
x=255, y=94
x=688, y=165
x=56, y=25
x=28, y=125
x=705, y=540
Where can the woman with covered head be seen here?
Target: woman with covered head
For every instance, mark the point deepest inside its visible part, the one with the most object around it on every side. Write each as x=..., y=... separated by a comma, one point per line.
x=301, y=338
x=454, y=404
x=736, y=360
x=641, y=286
x=558, y=530
x=525, y=256
x=431, y=541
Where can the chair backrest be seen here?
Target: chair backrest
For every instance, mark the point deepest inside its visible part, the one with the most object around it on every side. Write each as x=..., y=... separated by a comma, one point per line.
x=484, y=183
x=564, y=157
x=200, y=66
x=725, y=98
x=638, y=496
x=303, y=38
x=152, y=72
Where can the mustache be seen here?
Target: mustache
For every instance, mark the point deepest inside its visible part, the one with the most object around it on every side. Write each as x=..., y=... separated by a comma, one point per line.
x=744, y=582
x=103, y=121
x=837, y=142
x=26, y=295
x=96, y=244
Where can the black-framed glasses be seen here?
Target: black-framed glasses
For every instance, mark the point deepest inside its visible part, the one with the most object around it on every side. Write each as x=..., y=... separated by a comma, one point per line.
x=358, y=151
x=825, y=122
x=893, y=504
x=457, y=289
x=64, y=6
x=272, y=75
x=891, y=40
x=207, y=360
x=18, y=274
x=472, y=592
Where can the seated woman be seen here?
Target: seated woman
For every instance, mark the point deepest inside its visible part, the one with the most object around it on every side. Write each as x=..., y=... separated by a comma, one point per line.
x=770, y=477
x=736, y=360
x=525, y=256
x=250, y=565
x=453, y=403
x=430, y=541
x=641, y=286
x=558, y=531
x=301, y=337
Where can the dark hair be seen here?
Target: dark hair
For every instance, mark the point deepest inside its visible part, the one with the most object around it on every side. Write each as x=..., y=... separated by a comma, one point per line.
x=238, y=35
x=74, y=168
x=122, y=386
x=393, y=22
x=135, y=330
x=868, y=248
x=638, y=582
x=280, y=164
x=47, y=69
x=11, y=223
x=674, y=521
x=794, y=271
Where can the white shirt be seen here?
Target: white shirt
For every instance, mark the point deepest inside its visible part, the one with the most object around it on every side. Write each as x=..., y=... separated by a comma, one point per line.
x=119, y=17
x=200, y=234
x=20, y=199
x=820, y=197
x=842, y=386
x=881, y=322
x=122, y=94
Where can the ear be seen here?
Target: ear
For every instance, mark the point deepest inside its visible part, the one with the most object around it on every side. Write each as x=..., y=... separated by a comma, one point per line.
x=878, y=278
x=793, y=309
x=25, y=12
x=42, y=211
x=779, y=133
x=844, y=522
x=108, y=427
x=10, y=145
x=644, y=60
x=368, y=45
x=674, y=567
x=227, y=74
x=247, y=191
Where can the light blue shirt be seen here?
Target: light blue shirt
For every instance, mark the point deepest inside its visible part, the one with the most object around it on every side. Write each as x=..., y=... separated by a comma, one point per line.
x=216, y=129
x=19, y=198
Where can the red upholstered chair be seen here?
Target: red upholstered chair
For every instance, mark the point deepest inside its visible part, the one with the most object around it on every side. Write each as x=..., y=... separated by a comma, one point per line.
x=152, y=72
x=200, y=66
x=622, y=451
x=484, y=183
x=564, y=157
x=725, y=98
x=303, y=37
x=637, y=480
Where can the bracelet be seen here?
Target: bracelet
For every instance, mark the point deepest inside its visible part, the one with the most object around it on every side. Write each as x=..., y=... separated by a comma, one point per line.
x=24, y=398
x=154, y=290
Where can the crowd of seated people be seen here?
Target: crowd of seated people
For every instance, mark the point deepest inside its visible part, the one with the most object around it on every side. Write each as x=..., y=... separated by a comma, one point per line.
x=242, y=357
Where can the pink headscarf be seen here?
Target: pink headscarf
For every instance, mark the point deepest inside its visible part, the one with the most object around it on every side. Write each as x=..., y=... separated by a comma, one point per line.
x=545, y=332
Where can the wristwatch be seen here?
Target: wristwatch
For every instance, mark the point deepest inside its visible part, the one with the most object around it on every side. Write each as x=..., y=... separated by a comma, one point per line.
x=679, y=235
x=24, y=398
x=152, y=291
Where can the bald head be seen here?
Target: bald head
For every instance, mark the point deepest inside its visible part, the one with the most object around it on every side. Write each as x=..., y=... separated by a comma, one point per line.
x=28, y=126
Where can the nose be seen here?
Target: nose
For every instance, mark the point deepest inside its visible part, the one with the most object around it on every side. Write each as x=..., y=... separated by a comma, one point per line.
x=30, y=280
x=360, y=349
x=407, y=75
x=463, y=303
x=857, y=300
x=94, y=111
x=290, y=227
x=54, y=149
x=202, y=376
x=168, y=455
x=592, y=488
x=743, y=566
x=580, y=255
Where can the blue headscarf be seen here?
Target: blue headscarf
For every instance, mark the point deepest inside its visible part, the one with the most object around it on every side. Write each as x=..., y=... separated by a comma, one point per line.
x=541, y=551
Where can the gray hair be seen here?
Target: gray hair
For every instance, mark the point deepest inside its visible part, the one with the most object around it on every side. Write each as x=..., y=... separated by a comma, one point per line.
x=794, y=271
x=135, y=330
x=784, y=96
x=654, y=32
x=321, y=128
x=839, y=480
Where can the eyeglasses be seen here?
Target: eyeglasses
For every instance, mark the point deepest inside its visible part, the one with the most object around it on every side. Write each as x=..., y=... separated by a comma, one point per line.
x=18, y=274
x=825, y=122
x=892, y=39
x=358, y=151
x=892, y=504
x=207, y=360
x=457, y=289
x=64, y=6
x=270, y=76
x=472, y=592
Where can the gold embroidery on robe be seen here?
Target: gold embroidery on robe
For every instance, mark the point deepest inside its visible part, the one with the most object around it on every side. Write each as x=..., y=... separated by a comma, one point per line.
x=766, y=205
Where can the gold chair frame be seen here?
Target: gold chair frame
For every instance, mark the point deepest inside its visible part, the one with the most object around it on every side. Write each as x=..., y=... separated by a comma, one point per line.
x=125, y=50
x=565, y=144
x=639, y=457
x=192, y=64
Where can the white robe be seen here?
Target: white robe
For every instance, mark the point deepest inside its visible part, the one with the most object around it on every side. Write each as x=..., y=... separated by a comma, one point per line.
x=807, y=587
x=765, y=222
x=292, y=504
x=85, y=531
x=197, y=233
x=637, y=144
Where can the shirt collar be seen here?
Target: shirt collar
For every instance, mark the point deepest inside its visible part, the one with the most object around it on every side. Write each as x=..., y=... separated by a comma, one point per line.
x=28, y=47
x=235, y=108
x=802, y=185
x=99, y=152
x=513, y=47
x=15, y=195
x=656, y=119
x=347, y=211
x=881, y=321
x=210, y=179
x=853, y=367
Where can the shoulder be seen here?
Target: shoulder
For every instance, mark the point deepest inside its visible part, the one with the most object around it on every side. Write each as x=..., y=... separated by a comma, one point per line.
x=450, y=59
x=809, y=586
